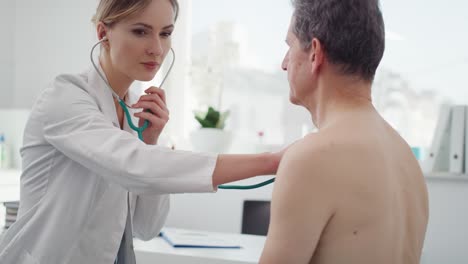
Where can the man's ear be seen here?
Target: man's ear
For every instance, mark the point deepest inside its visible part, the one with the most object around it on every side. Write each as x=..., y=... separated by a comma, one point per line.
x=316, y=55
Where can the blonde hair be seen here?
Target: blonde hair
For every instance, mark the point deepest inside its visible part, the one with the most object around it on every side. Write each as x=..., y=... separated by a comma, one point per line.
x=113, y=11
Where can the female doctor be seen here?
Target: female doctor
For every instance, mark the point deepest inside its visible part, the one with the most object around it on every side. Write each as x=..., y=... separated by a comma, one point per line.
x=88, y=183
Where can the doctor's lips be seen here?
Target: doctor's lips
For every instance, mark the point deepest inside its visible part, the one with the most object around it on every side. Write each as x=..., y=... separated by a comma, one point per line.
x=151, y=65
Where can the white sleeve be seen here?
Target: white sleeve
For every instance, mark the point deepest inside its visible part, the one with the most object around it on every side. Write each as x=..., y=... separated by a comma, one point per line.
x=76, y=127
x=150, y=215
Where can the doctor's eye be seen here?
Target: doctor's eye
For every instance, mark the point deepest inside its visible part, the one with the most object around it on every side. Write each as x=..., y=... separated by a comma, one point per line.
x=140, y=32
x=166, y=34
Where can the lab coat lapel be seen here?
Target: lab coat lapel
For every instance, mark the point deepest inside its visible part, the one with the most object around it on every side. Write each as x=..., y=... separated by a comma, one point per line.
x=102, y=94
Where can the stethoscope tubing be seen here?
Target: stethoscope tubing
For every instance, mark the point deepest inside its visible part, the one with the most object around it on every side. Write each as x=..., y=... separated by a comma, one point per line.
x=122, y=103
x=140, y=130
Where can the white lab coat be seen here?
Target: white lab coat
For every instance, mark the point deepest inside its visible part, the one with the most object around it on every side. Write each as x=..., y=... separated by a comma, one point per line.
x=77, y=169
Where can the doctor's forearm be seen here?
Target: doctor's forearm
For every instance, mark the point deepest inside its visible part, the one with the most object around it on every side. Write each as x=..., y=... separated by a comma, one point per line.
x=231, y=168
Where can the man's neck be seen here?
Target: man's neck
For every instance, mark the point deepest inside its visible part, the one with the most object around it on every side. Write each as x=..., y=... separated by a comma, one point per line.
x=337, y=96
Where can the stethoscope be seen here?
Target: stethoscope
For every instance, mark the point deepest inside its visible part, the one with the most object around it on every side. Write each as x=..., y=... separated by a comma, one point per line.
x=140, y=130
x=122, y=103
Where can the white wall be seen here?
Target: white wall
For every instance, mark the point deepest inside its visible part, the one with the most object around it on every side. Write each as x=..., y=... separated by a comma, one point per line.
x=221, y=211
x=52, y=37
x=12, y=124
x=447, y=234
x=7, y=30
x=40, y=39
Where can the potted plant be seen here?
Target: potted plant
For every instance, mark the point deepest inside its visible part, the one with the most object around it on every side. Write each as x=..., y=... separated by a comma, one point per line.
x=211, y=136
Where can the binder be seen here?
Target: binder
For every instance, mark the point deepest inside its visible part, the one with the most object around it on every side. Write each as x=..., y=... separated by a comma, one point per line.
x=465, y=167
x=12, y=205
x=457, y=139
x=438, y=158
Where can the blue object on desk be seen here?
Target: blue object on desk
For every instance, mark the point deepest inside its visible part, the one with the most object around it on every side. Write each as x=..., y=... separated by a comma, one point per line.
x=191, y=239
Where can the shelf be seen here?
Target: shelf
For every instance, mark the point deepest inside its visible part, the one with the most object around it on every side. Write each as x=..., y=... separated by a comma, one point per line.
x=446, y=176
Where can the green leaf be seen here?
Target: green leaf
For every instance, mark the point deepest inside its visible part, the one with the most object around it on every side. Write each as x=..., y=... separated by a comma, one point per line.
x=203, y=122
x=212, y=118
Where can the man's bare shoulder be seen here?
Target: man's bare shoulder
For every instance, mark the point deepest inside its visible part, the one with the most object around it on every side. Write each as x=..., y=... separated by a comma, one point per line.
x=315, y=160
x=318, y=151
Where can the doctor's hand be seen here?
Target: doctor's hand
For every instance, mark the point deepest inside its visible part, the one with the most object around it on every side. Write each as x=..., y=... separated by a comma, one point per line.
x=155, y=111
x=278, y=156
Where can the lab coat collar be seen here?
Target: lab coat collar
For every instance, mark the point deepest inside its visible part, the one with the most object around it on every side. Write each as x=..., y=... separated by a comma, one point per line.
x=102, y=94
x=105, y=99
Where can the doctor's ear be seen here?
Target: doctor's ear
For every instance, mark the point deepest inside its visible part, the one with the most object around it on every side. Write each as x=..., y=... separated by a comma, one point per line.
x=105, y=42
x=102, y=32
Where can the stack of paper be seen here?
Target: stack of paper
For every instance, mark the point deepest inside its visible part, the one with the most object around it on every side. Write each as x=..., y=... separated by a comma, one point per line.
x=193, y=239
x=11, y=213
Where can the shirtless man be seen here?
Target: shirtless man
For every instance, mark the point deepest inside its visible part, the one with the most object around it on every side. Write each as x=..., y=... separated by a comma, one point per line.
x=352, y=192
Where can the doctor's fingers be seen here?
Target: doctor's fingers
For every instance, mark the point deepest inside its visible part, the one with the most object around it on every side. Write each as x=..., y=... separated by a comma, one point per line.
x=158, y=91
x=154, y=108
x=153, y=98
x=155, y=121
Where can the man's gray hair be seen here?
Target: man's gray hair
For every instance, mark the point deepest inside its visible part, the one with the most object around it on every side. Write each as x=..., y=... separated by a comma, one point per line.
x=352, y=32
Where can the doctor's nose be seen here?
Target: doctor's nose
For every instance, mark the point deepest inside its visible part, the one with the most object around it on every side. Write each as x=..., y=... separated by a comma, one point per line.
x=156, y=48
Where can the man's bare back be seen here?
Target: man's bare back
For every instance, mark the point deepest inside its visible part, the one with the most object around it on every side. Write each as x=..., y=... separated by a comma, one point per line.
x=382, y=210
x=352, y=192
x=357, y=192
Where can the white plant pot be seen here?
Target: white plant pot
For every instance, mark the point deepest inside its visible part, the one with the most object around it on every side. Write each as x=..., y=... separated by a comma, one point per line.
x=211, y=140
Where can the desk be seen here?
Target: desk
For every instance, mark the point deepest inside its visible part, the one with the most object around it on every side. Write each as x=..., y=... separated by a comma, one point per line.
x=159, y=251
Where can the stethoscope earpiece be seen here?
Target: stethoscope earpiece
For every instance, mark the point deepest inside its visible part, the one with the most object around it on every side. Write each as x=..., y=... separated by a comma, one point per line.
x=140, y=130
x=122, y=103
x=105, y=80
